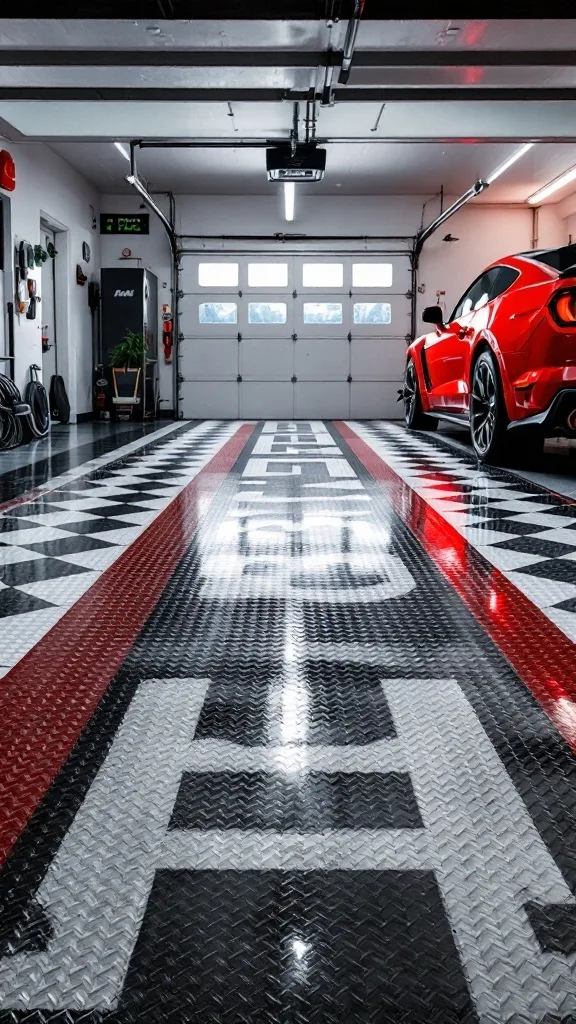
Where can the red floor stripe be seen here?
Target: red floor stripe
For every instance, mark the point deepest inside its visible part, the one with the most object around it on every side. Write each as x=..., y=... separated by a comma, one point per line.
x=22, y=499
x=543, y=657
x=47, y=699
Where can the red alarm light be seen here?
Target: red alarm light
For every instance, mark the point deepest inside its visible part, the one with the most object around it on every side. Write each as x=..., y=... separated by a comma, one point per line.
x=7, y=171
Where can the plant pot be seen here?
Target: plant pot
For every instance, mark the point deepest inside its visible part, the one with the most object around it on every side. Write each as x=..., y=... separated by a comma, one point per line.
x=126, y=388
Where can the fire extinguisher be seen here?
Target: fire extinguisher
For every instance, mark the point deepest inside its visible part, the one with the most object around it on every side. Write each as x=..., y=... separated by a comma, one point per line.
x=167, y=333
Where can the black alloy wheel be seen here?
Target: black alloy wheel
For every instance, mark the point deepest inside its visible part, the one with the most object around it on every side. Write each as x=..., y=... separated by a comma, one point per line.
x=414, y=417
x=487, y=414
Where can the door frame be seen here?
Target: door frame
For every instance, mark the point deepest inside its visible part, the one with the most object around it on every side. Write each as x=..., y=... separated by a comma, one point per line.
x=65, y=363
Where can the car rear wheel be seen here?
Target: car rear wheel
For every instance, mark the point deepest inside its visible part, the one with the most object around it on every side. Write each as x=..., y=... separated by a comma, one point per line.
x=488, y=421
x=414, y=417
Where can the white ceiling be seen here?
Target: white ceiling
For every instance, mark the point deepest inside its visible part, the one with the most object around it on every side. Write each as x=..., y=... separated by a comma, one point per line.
x=393, y=169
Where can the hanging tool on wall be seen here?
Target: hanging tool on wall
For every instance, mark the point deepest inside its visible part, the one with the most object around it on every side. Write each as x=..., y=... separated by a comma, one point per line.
x=167, y=333
x=33, y=299
x=40, y=255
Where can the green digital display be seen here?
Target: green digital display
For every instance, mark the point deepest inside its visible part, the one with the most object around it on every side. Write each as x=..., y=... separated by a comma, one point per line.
x=124, y=223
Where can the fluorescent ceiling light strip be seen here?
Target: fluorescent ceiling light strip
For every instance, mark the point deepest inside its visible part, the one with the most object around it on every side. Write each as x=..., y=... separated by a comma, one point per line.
x=121, y=149
x=289, y=194
x=508, y=163
x=553, y=186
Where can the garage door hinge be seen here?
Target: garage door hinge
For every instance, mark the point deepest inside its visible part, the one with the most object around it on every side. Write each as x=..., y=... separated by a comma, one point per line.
x=294, y=380
x=180, y=294
x=408, y=338
x=181, y=378
x=294, y=294
x=408, y=295
x=239, y=336
x=238, y=379
x=294, y=337
x=349, y=335
x=181, y=336
x=350, y=293
x=240, y=294
x=349, y=379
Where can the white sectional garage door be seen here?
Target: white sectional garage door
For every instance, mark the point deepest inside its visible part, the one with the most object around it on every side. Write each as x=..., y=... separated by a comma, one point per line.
x=283, y=337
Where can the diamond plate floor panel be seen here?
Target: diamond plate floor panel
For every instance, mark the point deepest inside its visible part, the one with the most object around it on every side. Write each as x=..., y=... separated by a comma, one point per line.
x=314, y=792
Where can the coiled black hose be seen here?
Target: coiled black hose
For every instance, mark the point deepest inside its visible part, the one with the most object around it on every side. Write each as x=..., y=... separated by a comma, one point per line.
x=38, y=419
x=11, y=431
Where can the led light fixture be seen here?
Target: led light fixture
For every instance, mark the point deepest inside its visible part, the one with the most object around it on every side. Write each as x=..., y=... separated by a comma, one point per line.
x=553, y=186
x=508, y=163
x=289, y=194
x=121, y=149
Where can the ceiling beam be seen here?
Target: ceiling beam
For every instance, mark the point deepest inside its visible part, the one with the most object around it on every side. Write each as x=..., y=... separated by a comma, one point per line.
x=169, y=58
x=400, y=94
x=291, y=58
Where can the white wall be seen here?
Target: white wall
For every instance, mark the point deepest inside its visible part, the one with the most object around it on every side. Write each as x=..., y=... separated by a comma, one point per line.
x=46, y=186
x=485, y=232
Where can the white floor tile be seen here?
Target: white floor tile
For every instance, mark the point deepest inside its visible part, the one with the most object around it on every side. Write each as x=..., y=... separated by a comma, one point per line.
x=100, y=559
x=120, y=536
x=63, y=591
x=482, y=538
x=530, y=507
x=561, y=535
x=36, y=535
x=544, y=519
x=84, y=504
x=503, y=558
x=137, y=518
x=542, y=592
x=57, y=518
x=21, y=632
x=10, y=554
x=566, y=621
x=570, y=557
x=151, y=503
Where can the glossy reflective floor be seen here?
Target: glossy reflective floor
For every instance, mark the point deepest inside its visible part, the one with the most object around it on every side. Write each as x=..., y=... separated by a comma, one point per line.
x=288, y=724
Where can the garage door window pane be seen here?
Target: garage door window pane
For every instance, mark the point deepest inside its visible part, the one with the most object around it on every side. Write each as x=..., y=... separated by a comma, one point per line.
x=218, y=275
x=371, y=275
x=322, y=312
x=322, y=275
x=268, y=275
x=266, y=312
x=372, y=313
x=218, y=313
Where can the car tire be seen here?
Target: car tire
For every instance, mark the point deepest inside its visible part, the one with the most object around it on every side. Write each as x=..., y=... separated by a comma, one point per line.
x=488, y=419
x=414, y=418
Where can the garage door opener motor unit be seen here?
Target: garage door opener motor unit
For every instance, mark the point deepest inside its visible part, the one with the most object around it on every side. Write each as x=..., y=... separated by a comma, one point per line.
x=303, y=162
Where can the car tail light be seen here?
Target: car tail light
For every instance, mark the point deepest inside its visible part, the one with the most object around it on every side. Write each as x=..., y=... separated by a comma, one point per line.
x=563, y=307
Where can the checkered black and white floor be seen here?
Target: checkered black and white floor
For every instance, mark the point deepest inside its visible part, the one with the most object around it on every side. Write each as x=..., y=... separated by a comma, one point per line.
x=522, y=529
x=53, y=548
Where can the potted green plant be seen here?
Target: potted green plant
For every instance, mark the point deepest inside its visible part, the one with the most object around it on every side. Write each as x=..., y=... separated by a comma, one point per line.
x=126, y=360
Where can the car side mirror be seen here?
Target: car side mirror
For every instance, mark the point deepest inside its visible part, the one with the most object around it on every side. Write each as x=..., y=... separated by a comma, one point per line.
x=433, y=315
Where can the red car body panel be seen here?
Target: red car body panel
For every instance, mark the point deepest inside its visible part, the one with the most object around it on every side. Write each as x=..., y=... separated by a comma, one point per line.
x=536, y=356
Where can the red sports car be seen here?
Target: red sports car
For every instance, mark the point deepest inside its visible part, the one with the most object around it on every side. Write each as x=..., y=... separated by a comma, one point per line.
x=505, y=361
